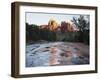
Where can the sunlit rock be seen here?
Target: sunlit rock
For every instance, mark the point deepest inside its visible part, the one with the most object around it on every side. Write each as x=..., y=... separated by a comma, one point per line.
x=53, y=25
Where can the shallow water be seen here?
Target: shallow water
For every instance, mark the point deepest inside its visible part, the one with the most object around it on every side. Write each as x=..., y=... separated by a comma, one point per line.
x=56, y=53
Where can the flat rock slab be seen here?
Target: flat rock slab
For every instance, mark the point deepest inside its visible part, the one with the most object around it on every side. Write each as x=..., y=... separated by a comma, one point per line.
x=56, y=53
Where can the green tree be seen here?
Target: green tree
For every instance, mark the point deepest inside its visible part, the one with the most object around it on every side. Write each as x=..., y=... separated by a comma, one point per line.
x=83, y=25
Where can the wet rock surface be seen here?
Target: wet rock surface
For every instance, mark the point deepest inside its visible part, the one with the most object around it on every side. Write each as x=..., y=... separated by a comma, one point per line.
x=56, y=53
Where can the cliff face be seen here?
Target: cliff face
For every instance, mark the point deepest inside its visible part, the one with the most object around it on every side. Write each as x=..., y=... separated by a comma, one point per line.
x=53, y=25
x=63, y=27
x=68, y=27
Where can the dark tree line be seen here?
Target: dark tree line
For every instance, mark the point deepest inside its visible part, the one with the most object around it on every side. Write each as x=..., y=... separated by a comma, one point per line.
x=34, y=33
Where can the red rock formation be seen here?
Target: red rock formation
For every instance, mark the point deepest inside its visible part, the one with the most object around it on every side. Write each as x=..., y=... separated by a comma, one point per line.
x=44, y=27
x=67, y=27
x=53, y=25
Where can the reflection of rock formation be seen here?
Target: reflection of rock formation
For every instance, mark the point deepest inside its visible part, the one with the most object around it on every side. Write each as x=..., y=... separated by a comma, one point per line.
x=53, y=57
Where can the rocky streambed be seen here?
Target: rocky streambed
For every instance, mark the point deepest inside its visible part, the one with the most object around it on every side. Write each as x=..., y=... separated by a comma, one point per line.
x=56, y=53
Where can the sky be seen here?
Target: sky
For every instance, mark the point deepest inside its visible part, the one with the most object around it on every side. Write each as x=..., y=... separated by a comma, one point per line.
x=43, y=18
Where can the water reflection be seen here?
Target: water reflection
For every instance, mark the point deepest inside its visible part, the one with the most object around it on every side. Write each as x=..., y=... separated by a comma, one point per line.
x=56, y=53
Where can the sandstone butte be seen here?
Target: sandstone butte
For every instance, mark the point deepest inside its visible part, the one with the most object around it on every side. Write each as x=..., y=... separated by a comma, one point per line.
x=65, y=26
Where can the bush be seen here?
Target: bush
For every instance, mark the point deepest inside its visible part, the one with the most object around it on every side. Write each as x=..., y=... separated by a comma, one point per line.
x=33, y=33
x=74, y=37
